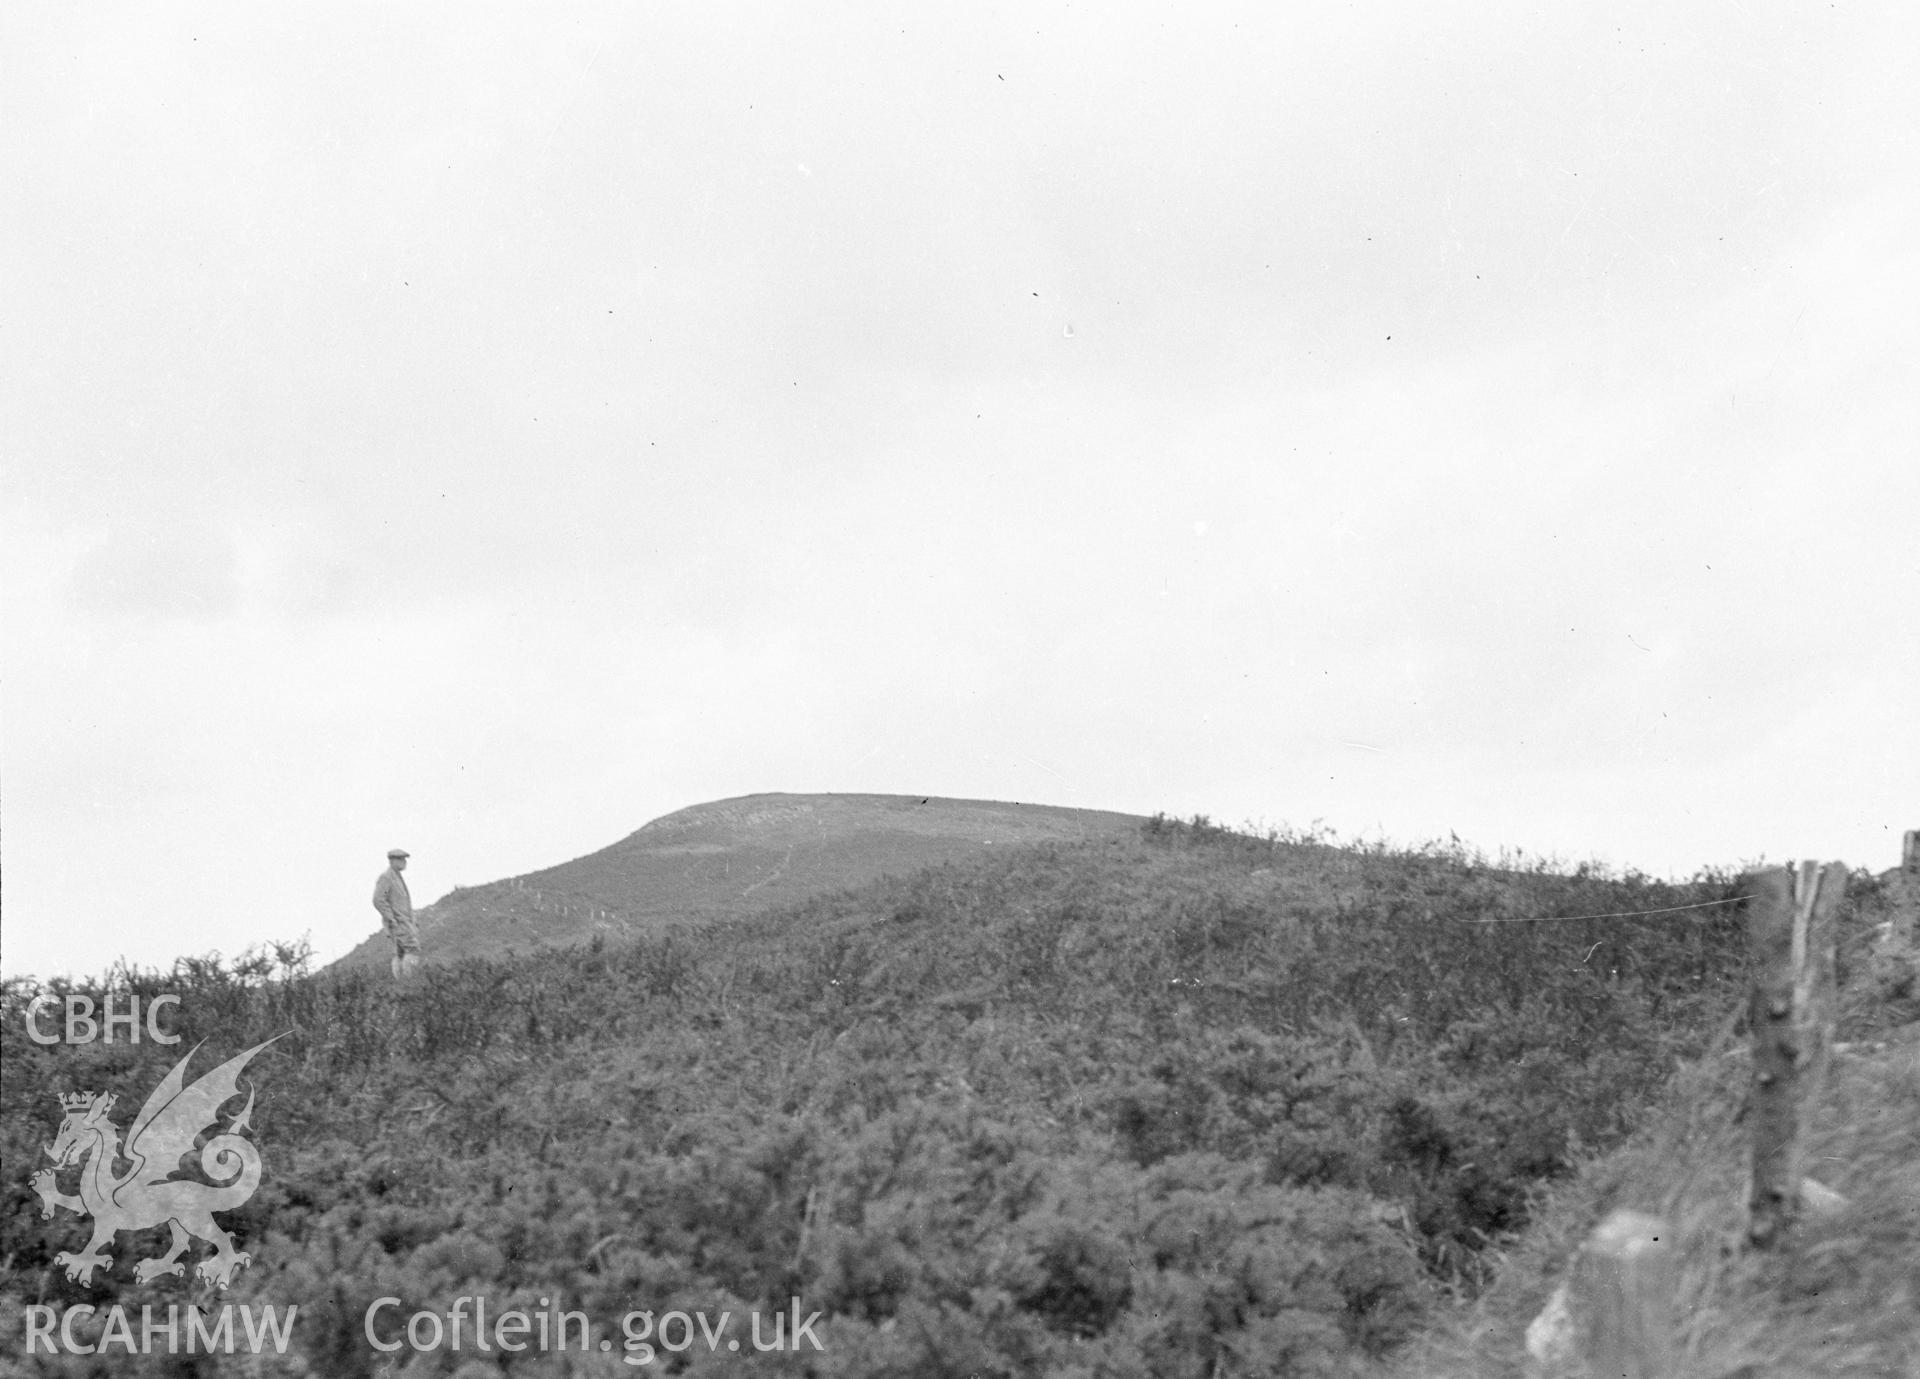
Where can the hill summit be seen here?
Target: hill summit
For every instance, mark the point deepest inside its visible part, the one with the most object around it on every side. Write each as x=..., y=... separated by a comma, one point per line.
x=730, y=858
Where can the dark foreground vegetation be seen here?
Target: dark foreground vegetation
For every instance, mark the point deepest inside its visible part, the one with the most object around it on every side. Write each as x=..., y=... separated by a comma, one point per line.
x=1191, y=1104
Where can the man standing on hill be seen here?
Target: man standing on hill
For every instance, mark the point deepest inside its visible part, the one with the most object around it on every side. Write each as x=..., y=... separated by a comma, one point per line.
x=395, y=904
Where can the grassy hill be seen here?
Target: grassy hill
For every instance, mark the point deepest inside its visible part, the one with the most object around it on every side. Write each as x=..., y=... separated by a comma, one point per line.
x=1179, y=1102
x=730, y=858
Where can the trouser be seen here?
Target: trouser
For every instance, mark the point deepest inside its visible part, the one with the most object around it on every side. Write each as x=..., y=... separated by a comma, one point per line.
x=406, y=946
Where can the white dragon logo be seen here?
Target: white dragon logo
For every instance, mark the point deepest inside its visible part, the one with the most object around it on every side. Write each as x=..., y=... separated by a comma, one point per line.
x=148, y=1194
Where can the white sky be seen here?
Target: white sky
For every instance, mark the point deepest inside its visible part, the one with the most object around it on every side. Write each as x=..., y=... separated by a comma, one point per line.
x=486, y=429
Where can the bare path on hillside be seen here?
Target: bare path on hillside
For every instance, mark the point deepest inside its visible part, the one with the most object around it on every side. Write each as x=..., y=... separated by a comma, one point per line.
x=771, y=876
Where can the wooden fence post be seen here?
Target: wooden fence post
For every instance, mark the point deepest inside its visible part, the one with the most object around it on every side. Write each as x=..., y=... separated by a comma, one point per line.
x=1790, y=925
x=1905, y=918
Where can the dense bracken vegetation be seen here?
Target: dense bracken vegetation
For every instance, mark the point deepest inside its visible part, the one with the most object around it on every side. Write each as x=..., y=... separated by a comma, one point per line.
x=1197, y=1103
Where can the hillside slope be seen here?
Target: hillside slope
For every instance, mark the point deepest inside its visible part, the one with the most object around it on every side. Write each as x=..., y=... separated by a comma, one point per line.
x=731, y=858
x=1184, y=1103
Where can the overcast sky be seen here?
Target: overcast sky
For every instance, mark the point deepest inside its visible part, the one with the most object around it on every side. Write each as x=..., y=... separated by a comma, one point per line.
x=483, y=430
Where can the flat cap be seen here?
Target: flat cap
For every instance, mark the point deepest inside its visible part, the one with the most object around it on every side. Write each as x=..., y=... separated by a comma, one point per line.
x=398, y=852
